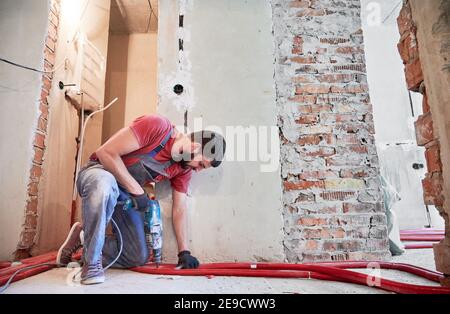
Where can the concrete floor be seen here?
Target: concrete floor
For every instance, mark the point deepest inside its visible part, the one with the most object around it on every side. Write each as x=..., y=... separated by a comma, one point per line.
x=122, y=281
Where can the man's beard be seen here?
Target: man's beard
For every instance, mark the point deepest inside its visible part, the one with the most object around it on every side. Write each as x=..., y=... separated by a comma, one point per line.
x=186, y=158
x=184, y=164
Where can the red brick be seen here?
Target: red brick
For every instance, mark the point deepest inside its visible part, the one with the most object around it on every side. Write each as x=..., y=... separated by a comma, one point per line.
x=322, y=108
x=338, y=78
x=31, y=221
x=38, y=155
x=337, y=195
x=404, y=19
x=348, y=139
x=312, y=12
x=316, y=139
x=313, y=233
x=305, y=197
x=350, y=89
x=303, y=79
x=307, y=119
x=404, y=48
x=349, y=50
x=42, y=124
x=311, y=221
x=300, y=4
x=424, y=129
x=354, y=173
x=50, y=44
x=46, y=83
x=305, y=109
x=303, y=60
x=320, y=152
x=425, y=104
x=432, y=155
x=432, y=189
x=33, y=188
x=414, y=75
x=308, y=99
x=312, y=89
x=36, y=172
x=303, y=185
x=358, y=208
x=316, y=257
x=32, y=205
x=318, y=174
x=298, y=45
x=358, y=67
x=311, y=245
x=49, y=56
x=334, y=40
x=27, y=238
x=39, y=140
x=360, y=149
x=338, y=117
x=44, y=95
x=323, y=208
x=44, y=110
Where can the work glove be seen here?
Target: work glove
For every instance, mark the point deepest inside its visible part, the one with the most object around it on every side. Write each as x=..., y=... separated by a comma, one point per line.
x=140, y=202
x=186, y=260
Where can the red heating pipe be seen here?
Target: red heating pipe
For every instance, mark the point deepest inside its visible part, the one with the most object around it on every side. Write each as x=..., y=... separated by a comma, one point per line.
x=8, y=271
x=292, y=271
x=321, y=271
x=423, y=230
x=424, y=238
x=4, y=264
x=423, y=245
x=414, y=270
x=422, y=234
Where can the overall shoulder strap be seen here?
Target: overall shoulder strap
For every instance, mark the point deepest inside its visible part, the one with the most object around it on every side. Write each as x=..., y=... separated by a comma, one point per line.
x=163, y=143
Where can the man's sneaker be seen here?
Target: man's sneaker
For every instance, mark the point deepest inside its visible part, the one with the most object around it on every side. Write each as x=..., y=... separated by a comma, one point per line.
x=73, y=242
x=92, y=274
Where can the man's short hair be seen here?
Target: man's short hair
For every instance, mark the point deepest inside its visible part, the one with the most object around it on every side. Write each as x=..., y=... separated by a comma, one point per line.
x=213, y=145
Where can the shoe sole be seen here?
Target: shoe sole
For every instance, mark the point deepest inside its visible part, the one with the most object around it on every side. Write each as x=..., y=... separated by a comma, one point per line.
x=93, y=280
x=58, y=256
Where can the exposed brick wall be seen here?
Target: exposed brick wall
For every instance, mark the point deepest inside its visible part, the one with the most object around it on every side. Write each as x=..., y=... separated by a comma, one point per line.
x=27, y=237
x=409, y=51
x=332, y=199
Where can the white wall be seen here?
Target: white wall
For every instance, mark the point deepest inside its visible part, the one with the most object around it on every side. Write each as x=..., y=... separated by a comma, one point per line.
x=131, y=76
x=394, y=120
x=227, y=70
x=23, y=28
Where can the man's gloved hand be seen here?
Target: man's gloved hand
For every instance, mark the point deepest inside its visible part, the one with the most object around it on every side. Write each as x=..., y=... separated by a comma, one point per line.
x=186, y=260
x=140, y=202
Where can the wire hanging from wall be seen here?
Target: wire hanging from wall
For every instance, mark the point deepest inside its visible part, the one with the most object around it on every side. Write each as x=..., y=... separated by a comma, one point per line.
x=32, y=69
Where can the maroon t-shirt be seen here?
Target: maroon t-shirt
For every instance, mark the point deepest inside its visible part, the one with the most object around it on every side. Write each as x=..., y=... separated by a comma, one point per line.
x=150, y=131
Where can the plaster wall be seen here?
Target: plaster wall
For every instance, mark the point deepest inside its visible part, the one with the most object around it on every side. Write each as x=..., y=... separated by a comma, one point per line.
x=92, y=19
x=227, y=69
x=23, y=28
x=131, y=76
